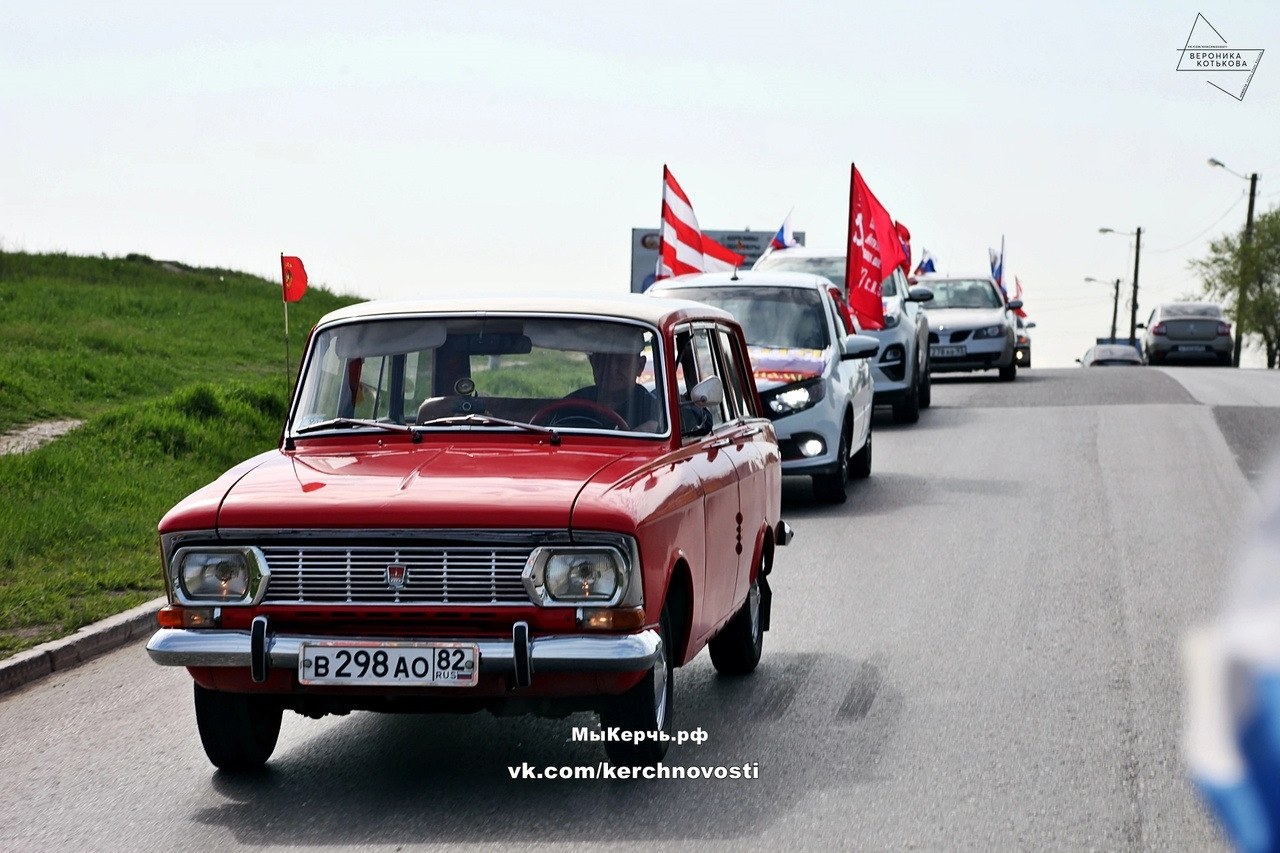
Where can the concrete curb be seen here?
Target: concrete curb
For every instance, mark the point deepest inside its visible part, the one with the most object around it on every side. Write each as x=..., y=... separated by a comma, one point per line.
x=74, y=649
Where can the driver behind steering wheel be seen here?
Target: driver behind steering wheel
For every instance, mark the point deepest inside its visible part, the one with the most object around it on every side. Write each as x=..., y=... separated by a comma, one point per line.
x=615, y=374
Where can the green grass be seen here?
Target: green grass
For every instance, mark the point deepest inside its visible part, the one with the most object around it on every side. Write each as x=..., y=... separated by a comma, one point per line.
x=178, y=373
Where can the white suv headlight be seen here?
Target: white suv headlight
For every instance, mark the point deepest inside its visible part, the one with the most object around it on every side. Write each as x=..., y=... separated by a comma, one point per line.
x=570, y=576
x=989, y=332
x=217, y=575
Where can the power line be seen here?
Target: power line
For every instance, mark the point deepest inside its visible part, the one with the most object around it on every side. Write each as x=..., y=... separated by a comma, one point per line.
x=1233, y=206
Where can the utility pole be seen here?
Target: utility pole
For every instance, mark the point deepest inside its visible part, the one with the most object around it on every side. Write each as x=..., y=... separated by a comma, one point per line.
x=1115, y=309
x=1133, y=310
x=1240, y=296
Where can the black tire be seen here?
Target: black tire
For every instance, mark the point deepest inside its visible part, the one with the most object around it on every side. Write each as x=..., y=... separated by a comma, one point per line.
x=647, y=707
x=860, y=464
x=907, y=410
x=1010, y=373
x=238, y=730
x=833, y=488
x=926, y=386
x=737, y=648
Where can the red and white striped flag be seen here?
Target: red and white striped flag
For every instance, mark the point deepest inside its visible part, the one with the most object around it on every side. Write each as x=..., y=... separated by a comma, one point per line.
x=684, y=247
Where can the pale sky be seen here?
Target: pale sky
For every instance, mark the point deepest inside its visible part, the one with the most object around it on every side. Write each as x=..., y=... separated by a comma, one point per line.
x=407, y=149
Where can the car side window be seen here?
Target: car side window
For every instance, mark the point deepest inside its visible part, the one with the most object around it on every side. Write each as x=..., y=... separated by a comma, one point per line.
x=735, y=383
x=705, y=355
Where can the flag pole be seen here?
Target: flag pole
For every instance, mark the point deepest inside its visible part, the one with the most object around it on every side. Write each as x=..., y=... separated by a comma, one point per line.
x=286, y=329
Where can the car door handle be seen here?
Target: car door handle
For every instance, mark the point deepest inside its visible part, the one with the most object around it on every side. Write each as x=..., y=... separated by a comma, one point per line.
x=736, y=438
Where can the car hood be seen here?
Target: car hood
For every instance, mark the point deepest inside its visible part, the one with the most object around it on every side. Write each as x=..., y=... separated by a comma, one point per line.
x=414, y=486
x=964, y=318
x=774, y=367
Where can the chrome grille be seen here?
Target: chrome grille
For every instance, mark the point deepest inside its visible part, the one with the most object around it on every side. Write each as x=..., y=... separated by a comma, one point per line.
x=433, y=575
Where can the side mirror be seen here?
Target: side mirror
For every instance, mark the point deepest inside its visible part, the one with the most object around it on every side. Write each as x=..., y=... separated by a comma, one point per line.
x=1015, y=304
x=1030, y=325
x=920, y=294
x=859, y=346
x=695, y=420
x=1141, y=326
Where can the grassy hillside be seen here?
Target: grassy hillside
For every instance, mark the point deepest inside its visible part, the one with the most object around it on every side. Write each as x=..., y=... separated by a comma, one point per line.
x=178, y=373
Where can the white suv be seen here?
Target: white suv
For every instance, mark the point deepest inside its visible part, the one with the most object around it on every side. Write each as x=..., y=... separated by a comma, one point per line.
x=812, y=376
x=901, y=369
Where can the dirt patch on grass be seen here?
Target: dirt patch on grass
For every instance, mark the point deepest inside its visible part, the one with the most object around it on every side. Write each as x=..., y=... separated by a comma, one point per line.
x=29, y=438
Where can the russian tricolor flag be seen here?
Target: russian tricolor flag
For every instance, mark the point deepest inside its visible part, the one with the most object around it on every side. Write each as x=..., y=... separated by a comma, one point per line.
x=785, y=238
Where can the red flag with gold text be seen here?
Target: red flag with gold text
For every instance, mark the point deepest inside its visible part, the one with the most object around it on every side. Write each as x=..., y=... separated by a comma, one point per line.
x=874, y=249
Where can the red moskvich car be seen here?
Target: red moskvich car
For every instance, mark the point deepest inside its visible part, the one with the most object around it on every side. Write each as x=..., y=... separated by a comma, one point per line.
x=538, y=505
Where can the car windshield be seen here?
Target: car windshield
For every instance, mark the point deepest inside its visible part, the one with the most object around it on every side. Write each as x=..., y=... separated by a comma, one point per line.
x=774, y=317
x=476, y=371
x=963, y=293
x=830, y=266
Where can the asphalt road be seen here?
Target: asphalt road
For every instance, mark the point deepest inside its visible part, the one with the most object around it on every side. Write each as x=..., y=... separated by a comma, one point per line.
x=979, y=651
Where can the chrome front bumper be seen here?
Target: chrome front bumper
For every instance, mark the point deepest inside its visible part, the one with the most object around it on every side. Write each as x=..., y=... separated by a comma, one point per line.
x=520, y=656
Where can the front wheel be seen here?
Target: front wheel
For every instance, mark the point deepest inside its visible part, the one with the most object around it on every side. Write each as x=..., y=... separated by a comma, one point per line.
x=926, y=386
x=647, y=707
x=907, y=410
x=238, y=730
x=1010, y=373
x=860, y=464
x=736, y=649
x=833, y=487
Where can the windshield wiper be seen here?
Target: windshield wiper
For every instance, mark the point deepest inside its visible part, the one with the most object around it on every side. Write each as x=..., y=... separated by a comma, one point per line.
x=336, y=423
x=489, y=420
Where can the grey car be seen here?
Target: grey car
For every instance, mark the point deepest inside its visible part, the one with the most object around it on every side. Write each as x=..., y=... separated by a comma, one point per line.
x=972, y=326
x=1187, y=333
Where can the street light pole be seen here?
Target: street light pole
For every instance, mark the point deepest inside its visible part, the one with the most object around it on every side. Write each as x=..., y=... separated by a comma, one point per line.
x=1137, y=256
x=1241, y=294
x=1133, y=309
x=1115, y=309
x=1240, y=297
x=1115, y=305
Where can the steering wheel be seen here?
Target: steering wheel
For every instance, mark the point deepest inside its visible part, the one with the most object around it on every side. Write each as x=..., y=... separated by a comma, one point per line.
x=573, y=412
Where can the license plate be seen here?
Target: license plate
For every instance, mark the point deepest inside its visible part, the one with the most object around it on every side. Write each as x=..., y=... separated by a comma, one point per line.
x=389, y=664
x=1192, y=348
x=946, y=352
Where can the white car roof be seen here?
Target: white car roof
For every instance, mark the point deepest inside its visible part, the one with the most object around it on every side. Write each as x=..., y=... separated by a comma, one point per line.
x=745, y=278
x=630, y=306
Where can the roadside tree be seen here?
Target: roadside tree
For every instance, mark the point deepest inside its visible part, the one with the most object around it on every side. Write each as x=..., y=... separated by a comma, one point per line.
x=1236, y=268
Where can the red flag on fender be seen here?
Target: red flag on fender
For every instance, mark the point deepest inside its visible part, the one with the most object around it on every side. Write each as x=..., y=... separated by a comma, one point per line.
x=873, y=251
x=294, y=276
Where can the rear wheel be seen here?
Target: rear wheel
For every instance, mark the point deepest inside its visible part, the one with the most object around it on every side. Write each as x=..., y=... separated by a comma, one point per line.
x=833, y=487
x=238, y=730
x=647, y=707
x=736, y=649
